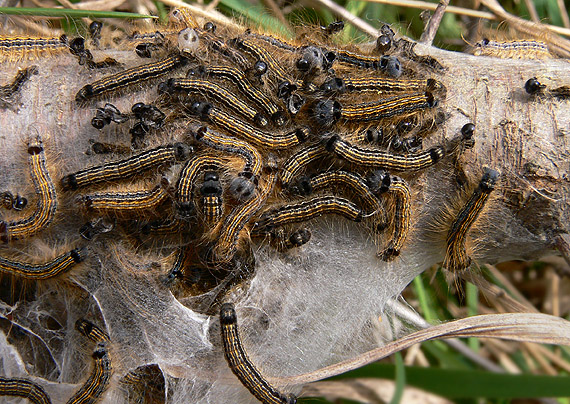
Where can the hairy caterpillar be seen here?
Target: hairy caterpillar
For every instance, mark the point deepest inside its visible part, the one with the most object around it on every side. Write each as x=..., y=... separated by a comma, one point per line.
x=23, y=388
x=47, y=198
x=241, y=365
x=456, y=258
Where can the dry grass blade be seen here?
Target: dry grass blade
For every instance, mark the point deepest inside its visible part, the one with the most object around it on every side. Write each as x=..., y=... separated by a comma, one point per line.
x=99, y=5
x=277, y=12
x=424, y=5
x=492, y=291
x=524, y=327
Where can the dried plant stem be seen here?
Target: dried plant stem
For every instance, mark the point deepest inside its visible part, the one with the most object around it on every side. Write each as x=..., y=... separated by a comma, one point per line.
x=497, y=293
x=209, y=14
x=431, y=29
x=424, y=5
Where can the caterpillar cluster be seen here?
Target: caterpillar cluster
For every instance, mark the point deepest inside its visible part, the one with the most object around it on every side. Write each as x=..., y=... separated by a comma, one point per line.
x=269, y=136
x=256, y=129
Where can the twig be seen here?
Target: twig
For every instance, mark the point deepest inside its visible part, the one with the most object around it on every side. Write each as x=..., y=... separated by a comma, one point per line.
x=431, y=29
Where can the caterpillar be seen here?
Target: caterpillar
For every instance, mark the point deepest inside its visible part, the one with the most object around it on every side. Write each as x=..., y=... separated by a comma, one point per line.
x=212, y=202
x=352, y=181
x=380, y=159
x=216, y=140
x=122, y=202
x=512, y=49
x=327, y=112
x=129, y=77
x=260, y=53
x=376, y=84
x=49, y=269
x=246, y=131
x=100, y=376
x=97, y=382
x=162, y=155
x=47, y=198
x=217, y=93
x=91, y=331
x=187, y=179
x=402, y=214
x=239, y=78
x=456, y=258
x=23, y=75
x=389, y=64
x=240, y=216
x=23, y=388
x=309, y=209
x=298, y=161
x=16, y=48
x=241, y=365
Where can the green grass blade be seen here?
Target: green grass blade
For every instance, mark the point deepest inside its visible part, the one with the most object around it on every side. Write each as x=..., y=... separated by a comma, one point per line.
x=66, y=12
x=162, y=12
x=350, y=31
x=400, y=379
x=472, y=300
x=258, y=15
x=456, y=384
x=426, y=303
x=441, y=354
